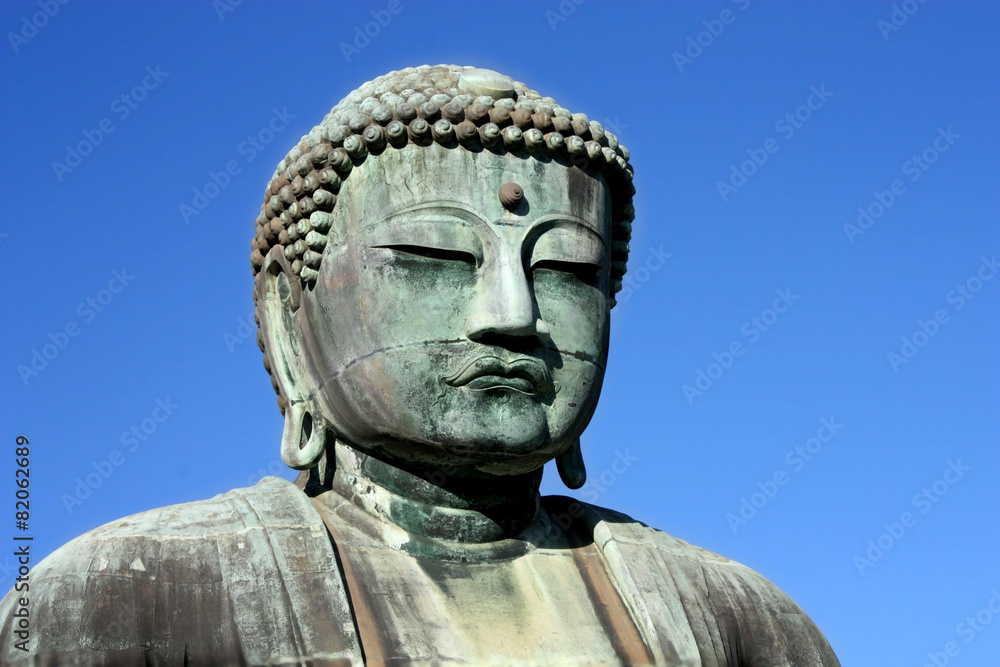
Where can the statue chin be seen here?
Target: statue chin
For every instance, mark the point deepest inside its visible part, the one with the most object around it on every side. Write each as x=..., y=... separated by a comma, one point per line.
x=496, y=426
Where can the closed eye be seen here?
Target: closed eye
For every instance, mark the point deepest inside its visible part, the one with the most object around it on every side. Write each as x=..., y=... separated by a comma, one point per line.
x=442, y=254
x=585, y=272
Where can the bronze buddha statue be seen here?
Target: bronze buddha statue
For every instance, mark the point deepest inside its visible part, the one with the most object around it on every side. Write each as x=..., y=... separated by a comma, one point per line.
x=435, y=265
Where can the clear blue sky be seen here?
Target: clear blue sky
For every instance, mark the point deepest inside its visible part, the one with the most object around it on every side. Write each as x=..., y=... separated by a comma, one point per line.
x=906, y=116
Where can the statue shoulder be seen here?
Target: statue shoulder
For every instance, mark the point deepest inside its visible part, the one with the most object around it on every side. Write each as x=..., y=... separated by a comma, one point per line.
x=185, y=581
x=729, y=609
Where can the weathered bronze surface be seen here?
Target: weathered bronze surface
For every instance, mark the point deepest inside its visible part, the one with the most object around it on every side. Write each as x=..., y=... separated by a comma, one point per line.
x=434, y=267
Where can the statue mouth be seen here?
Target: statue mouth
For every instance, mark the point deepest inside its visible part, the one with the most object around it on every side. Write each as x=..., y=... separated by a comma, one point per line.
x=489, y=372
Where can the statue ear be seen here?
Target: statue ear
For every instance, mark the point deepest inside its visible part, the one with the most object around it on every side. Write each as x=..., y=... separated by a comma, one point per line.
x=303, y=440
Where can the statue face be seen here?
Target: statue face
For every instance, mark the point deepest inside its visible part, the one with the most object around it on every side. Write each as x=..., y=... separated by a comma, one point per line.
x=444, y=327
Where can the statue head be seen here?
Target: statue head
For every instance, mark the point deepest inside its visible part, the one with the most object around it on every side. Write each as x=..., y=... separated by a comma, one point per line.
x=435, y=265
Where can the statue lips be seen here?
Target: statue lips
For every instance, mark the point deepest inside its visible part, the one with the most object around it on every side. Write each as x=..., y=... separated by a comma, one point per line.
x=523, y=374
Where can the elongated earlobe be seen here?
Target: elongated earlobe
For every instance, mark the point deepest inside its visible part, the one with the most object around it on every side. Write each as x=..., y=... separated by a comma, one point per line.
x=303, y=440
x=570, y=465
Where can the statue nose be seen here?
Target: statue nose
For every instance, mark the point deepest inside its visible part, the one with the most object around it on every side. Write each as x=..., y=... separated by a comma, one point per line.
x=505, y=308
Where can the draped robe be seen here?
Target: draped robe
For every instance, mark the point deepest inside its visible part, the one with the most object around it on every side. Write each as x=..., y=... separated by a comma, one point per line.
x=267, y=575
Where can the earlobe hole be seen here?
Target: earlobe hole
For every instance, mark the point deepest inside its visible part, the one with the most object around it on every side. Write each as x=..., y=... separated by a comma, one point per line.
x=284, y=289
x=307, y=427
x=278, y=284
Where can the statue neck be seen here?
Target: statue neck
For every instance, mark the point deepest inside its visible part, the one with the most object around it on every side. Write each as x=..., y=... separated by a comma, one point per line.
x=429, y=502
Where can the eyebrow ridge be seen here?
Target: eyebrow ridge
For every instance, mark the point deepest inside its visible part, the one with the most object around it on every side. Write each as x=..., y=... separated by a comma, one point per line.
x=443, y=206
x=552, y=220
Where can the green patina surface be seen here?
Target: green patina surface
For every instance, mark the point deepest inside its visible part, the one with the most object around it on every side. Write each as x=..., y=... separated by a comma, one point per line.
x=437, y=327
